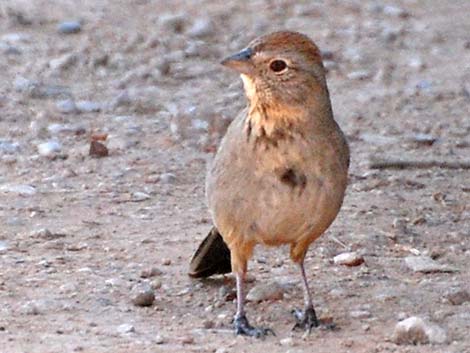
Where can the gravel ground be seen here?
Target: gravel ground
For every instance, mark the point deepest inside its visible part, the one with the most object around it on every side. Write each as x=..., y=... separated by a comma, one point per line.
x=94, y=249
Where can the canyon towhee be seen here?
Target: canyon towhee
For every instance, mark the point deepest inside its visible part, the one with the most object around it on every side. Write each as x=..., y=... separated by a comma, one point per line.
x=280, y=173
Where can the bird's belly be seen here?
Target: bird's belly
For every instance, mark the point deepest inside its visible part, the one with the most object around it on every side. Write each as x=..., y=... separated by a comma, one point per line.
x=274, y=212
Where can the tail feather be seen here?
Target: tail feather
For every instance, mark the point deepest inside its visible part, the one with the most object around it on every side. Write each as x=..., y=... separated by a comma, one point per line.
x=212, y=257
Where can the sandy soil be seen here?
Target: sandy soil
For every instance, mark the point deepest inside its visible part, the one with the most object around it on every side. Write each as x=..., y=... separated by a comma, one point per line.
x=78, y=233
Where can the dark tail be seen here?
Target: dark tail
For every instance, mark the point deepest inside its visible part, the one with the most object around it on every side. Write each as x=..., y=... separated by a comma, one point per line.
x=211, y=257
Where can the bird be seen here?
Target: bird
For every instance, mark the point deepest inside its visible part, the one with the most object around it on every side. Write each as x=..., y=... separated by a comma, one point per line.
x=280, y=172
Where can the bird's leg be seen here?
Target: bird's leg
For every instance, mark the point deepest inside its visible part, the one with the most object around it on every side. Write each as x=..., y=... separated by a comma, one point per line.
x=306, y=319
x=242, y=326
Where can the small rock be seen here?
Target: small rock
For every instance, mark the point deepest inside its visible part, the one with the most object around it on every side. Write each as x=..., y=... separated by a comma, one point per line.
x=208, y=324
x=143, y=295
x=394, y=11
x=140, y=196
x=415, y=330
x=457, y=296
x=66, y=106
x=9, y=147
x=63, y=62
x=348, y=259
x=173, y=22
x=187, y=340
x=167, y=178
x=85, y=106
x=359, y=75
x=49, y=149
x=288, y=342
x=125, y=328
x=32, y=308
x=152, y=272
x=55, y=129
x=69, y=27
x=360, y=314
x=20, y=189
x=166, y=262
x=160, y=339
x=97, y=149
x=202, y=27
x=425, y=264
x=268, y=291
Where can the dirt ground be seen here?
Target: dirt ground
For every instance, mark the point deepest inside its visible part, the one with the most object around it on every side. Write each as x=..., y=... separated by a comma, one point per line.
x=78, y=233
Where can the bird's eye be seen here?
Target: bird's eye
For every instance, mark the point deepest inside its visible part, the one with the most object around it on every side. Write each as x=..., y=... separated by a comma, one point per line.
x=278, y=65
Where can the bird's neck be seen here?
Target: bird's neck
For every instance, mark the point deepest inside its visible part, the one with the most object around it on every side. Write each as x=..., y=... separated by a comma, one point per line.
x=271, y=118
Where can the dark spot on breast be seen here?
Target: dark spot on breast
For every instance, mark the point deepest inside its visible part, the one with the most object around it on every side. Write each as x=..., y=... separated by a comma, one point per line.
x=293, y=178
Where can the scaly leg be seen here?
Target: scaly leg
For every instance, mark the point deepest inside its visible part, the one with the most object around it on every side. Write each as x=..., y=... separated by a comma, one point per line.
x=242, y=326
x=306, y=319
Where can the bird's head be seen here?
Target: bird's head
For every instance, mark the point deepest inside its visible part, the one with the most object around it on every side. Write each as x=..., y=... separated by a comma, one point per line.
x=282, y=69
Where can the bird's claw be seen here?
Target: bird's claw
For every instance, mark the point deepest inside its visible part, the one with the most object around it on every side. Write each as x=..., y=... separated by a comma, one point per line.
x=305, y=320
x=243, y=327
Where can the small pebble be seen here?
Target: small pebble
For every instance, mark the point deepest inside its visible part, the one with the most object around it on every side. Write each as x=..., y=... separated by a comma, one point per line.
x=359, y=75
x=167, y=178
x=49, y=149
x=143, y=295
x=348, y=259
x=202, y=27
x=69, y=27
x=187, y=340
x=359, y=314
x=287, y=342
x=457, y=296
x=20, y=189
x=125, y=328
x=152, y=272
x=425, y=264
x=140, y=196
x=63, y=62
x=159, y=339
x=66, y=106
x=415, y=330
x=9, y=147
x=166, y=262
x=85, y=106
x=266, y=291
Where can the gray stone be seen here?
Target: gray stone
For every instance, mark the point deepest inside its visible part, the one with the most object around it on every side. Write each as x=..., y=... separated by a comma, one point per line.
x=143, y=295
x=457, y=296
x=425, y=264
x=359, y=75
x=85, y=106
x=415, y=330
x=152, y=272
x=360, y=314
x=66, y=106
x=202, y=27
x=55, y=129
x=125, y=328
x=8, y=147
x=174, y=22
x=49, y=149
x=266, y=291
x=63, y=62
x=167, y=178
x=140, y=196
x=69, y=27
x=20, y=189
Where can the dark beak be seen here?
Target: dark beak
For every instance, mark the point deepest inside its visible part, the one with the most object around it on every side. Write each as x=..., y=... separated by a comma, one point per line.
x=240, y=61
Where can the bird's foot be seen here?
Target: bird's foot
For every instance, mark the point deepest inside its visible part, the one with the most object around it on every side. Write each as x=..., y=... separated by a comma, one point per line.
x=243, y=327
x=305, y=320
